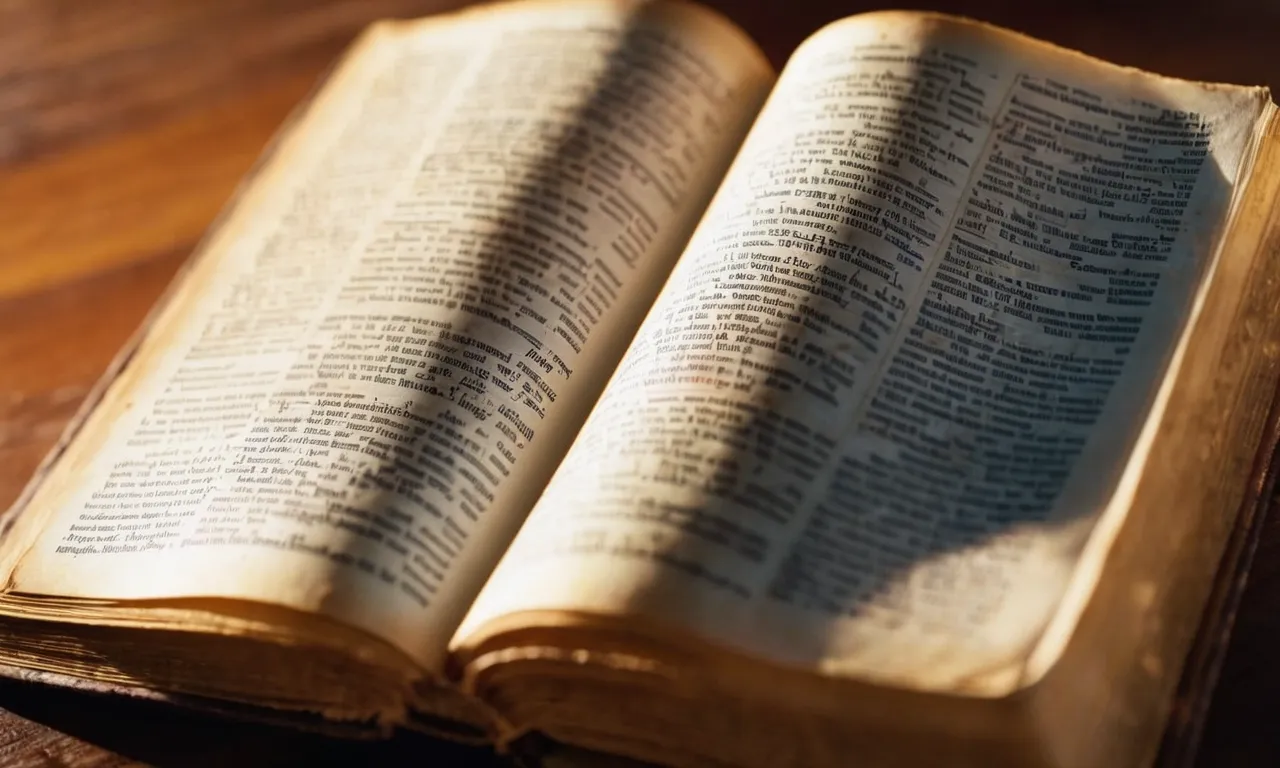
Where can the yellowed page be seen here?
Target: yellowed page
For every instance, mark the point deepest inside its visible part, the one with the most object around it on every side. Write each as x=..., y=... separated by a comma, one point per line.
x=896, y=376
x=352, y=403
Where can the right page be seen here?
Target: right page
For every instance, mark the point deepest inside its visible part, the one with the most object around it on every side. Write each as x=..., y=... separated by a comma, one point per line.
x=901, y=368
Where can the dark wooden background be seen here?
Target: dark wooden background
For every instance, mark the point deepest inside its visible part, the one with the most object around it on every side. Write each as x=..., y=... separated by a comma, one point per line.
x=124, y=125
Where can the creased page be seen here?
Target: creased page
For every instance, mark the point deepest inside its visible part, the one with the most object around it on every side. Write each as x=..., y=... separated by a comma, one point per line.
x=896, y=375
x=370, y=378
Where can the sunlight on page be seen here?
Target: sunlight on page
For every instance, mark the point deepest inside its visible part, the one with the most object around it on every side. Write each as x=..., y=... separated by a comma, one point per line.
x=871, y=420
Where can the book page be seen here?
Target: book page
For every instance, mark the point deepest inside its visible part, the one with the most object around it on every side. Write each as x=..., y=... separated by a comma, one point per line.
x=354, y=400
x=897, y=374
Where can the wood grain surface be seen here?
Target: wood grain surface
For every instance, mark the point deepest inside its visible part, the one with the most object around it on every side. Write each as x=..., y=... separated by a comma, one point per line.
x=124, y=126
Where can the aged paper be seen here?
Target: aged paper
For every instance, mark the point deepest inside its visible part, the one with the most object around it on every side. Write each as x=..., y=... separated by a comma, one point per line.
x=357, y=397
x=872, y=418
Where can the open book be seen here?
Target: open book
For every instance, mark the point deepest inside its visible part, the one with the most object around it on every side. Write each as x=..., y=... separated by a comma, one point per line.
x=563, y=369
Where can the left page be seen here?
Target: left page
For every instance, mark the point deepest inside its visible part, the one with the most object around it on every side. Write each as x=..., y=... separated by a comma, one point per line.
x=352, y=401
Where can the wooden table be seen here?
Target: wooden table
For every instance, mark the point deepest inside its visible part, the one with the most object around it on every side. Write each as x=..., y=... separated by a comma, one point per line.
x=124, y=125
